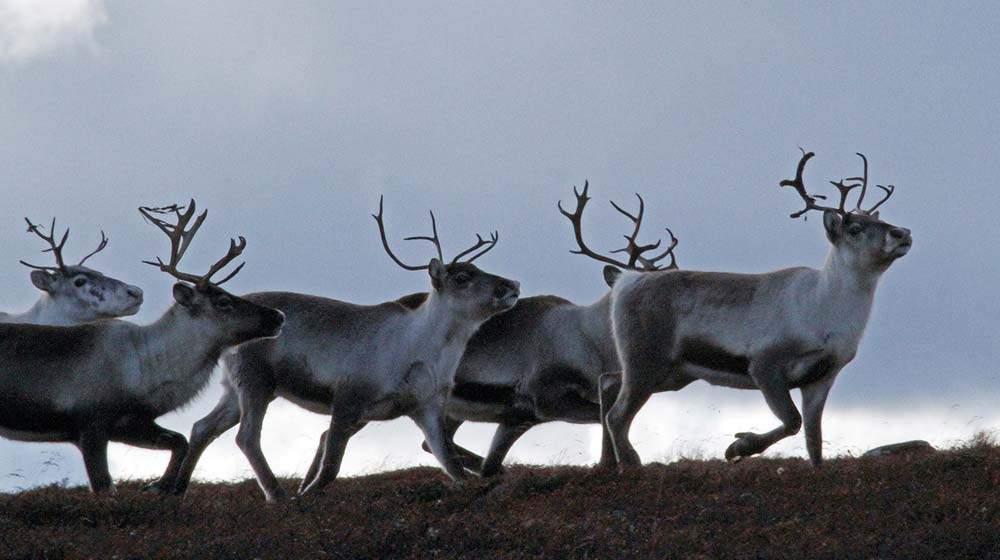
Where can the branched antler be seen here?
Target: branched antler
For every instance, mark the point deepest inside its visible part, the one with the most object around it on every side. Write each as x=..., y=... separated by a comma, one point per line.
x=100, y=247
x=889, y=189
x=632, y=247
x=180, y=239
x=57, y=248
x=844, y=188
x=480, y=242
x=433, y=238
x=54, y=248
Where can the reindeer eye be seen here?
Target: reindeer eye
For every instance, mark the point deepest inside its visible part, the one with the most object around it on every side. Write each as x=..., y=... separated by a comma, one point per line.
x=224, y=302
x=854, y=229
x=80, y=282
x=462, y=278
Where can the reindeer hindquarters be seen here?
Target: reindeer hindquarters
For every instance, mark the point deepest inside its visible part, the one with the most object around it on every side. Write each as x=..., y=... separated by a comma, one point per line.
x=566, y=394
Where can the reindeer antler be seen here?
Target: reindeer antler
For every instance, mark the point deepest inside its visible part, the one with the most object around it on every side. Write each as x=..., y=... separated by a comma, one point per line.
x=100, y=247
x=56, y=248
x=480, y=242
x=844, y=188
x=635, y=250
x=632, y=248
x=433, y=238
x=180, y=239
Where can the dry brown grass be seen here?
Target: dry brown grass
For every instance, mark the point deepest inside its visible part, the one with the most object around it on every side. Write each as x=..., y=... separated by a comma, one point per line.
x=945, y=505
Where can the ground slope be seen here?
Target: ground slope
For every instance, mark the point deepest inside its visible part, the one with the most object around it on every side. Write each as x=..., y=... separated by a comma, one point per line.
x=944, y=505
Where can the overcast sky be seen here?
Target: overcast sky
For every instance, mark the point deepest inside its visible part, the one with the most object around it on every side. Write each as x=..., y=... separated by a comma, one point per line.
x=287, y=120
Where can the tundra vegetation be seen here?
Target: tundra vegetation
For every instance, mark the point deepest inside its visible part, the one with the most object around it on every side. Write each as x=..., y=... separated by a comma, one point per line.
x=938, y=505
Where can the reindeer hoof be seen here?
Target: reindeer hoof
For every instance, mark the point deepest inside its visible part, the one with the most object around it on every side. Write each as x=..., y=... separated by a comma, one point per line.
x=744, y=446
x=734, y=453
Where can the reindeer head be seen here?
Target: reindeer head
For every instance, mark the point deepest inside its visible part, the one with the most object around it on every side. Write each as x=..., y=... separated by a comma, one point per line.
x=82, y=294
x=217, y=311
x=464, y=287
x=636, y=261
x=861, y=239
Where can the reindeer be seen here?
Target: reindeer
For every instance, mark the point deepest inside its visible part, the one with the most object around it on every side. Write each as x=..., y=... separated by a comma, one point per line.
x=109, y=381
x=357, y=363
x=74, y=294
x=789, y=329
x=542, y=360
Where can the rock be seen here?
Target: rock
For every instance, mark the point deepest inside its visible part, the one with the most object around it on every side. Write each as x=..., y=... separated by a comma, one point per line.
x=915, y=447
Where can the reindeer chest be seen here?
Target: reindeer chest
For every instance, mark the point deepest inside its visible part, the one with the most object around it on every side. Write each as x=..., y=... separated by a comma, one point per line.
x=166, y=394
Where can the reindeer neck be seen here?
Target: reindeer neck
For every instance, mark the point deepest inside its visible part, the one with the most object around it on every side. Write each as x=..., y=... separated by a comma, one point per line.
x=846, y=289
x=46, y=311
x=174, y=348
x=438, y=325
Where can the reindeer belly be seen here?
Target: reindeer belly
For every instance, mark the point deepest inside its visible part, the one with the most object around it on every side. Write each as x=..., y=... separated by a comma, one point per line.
x=297, y=382
x=312, y=403
x=28, y=422
x=29, y=436
x=703, y=359
x=482, y=402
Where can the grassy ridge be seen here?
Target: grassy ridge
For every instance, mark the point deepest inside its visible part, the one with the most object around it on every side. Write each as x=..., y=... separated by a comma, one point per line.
x=944, y=505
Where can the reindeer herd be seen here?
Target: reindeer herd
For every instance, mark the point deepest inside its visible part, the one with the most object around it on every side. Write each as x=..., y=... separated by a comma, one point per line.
x=467, y=349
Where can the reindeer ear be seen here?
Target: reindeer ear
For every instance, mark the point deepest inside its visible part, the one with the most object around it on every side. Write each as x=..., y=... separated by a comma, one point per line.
x=832, y=222
x=43, y=280
x=611, y=275
x=438, y=272
x=184, y=294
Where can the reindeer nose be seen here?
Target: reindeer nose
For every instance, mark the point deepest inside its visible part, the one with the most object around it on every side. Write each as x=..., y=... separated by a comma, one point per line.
x=135, y=292
x=899, y=233
x=509, y=287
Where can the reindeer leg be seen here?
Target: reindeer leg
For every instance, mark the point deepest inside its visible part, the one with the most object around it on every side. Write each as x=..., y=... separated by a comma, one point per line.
x=631, y=398
x=431, y=422
x=224, y=416
x=468, y=459
x=93, y=444
x=813, y=401
x=503, y=439
x=253, y=406
x=316, y=462
x=770, y=379
x=144, y=432
x=608, y=384
x=331, y=453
